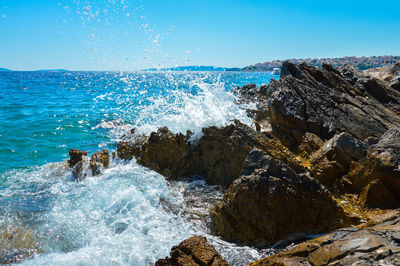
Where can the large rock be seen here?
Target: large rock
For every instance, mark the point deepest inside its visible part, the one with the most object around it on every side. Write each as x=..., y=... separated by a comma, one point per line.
x=377, y=195
x=271, y=203
x=193, y=251
x=99, y=161
x=376, y=245
x=215, y=153
x=76, y=156
x=327, y=102
x=334, y=159
x=382, y=163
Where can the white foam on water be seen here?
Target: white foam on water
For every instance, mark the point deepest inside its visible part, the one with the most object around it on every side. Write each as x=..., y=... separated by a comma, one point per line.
x=181, y=109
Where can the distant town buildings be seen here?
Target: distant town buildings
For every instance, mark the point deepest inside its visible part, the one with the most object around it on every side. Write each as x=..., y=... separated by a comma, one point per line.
x=362, y=63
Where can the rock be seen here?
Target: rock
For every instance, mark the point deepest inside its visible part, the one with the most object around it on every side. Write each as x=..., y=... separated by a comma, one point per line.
x=334, y=158
x=215, y=153
x=163, y=152
x=16, y=244
x=99, y=160
x=193, y=251
x=80, y=170
x=327, y=102
x=271, y=203
x=376, y=245
x=309, y=145
x=382, y=162
x=377, y=195
x=76, y=156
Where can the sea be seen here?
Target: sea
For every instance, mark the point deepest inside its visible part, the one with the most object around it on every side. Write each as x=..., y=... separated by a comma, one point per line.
x=129, y=215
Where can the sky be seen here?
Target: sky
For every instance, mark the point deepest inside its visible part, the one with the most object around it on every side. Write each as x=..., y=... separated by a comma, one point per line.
x=127, y=35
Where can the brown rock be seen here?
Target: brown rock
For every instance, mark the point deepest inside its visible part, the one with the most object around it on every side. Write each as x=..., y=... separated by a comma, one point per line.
x=99, y=160
x=215, y=153
x=377, y=195
x=382, y=162
x=309, y=144
x=193, y=251
x=76, y=156
x=334, y=159
x=271, y=203
x=376, y=245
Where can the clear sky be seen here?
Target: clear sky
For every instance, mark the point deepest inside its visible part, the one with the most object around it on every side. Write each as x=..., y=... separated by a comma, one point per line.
x=137, y=34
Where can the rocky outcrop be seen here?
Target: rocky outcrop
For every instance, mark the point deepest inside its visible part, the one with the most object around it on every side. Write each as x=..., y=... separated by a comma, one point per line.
x=76, y=156
x=383, y=164
x=215, y=153
x=99, y=161
x=271, y=203
x=193, y=251
x=376, y=245
x=327, y=102
x=82, y=167
x=334, y=158
x=377, y=195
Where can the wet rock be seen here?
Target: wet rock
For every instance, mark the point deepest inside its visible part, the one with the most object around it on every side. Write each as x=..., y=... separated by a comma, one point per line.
x=377, y=195
x=16, y=245
x=271, y=203
x=215, y=153
x=376, y=245
x=76, y=156
x=80, y=170
x=382, y=162
x=193, y=251
x=327, y=102
x=99, y=160
x=334, y=158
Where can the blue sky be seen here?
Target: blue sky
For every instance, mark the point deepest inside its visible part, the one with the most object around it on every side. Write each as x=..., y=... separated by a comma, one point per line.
x=137, y=34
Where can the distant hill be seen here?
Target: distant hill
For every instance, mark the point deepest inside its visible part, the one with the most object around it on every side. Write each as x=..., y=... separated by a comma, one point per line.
x=194, y=68
x=362, y=63
x=52, y=70
x=5, y=69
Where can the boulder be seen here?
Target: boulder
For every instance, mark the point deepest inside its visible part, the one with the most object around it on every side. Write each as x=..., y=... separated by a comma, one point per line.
x=214, y=153
x=271, y=203
x=375, y=245
x=327, y=102
x=98, y=161
x=76, y=156
x=377, y=195
x=334, y=158
x=309, y=145
x=193, y=251
x=81, y=170
x=382, y=162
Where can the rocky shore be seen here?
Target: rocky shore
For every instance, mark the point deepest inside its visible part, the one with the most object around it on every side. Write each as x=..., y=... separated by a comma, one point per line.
x=320, y=167
x=323, y=159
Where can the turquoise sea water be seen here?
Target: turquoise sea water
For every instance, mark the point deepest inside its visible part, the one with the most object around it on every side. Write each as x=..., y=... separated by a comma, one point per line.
x=129, y=215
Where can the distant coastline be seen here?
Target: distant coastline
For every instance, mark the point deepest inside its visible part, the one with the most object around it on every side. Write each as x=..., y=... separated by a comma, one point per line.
x=195, y=68
x=362, y=63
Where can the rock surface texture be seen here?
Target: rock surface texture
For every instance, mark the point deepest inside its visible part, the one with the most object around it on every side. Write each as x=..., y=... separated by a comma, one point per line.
x=327, y=102
x=99, y=161
x=215, y=153
x=271, y=203
x=76, y=156
x=376, y=245
x=193, y=251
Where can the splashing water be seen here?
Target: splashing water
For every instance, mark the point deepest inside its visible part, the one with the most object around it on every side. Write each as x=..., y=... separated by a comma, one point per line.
x=129, y=215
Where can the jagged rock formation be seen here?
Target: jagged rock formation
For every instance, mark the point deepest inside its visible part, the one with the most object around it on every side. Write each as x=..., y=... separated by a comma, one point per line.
x=376, y=245
x=327, y=102
x=193, y=251
x=271, y=203
x=76, y=156
x=216, y=153
x=389, y=73
x=98, y=161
